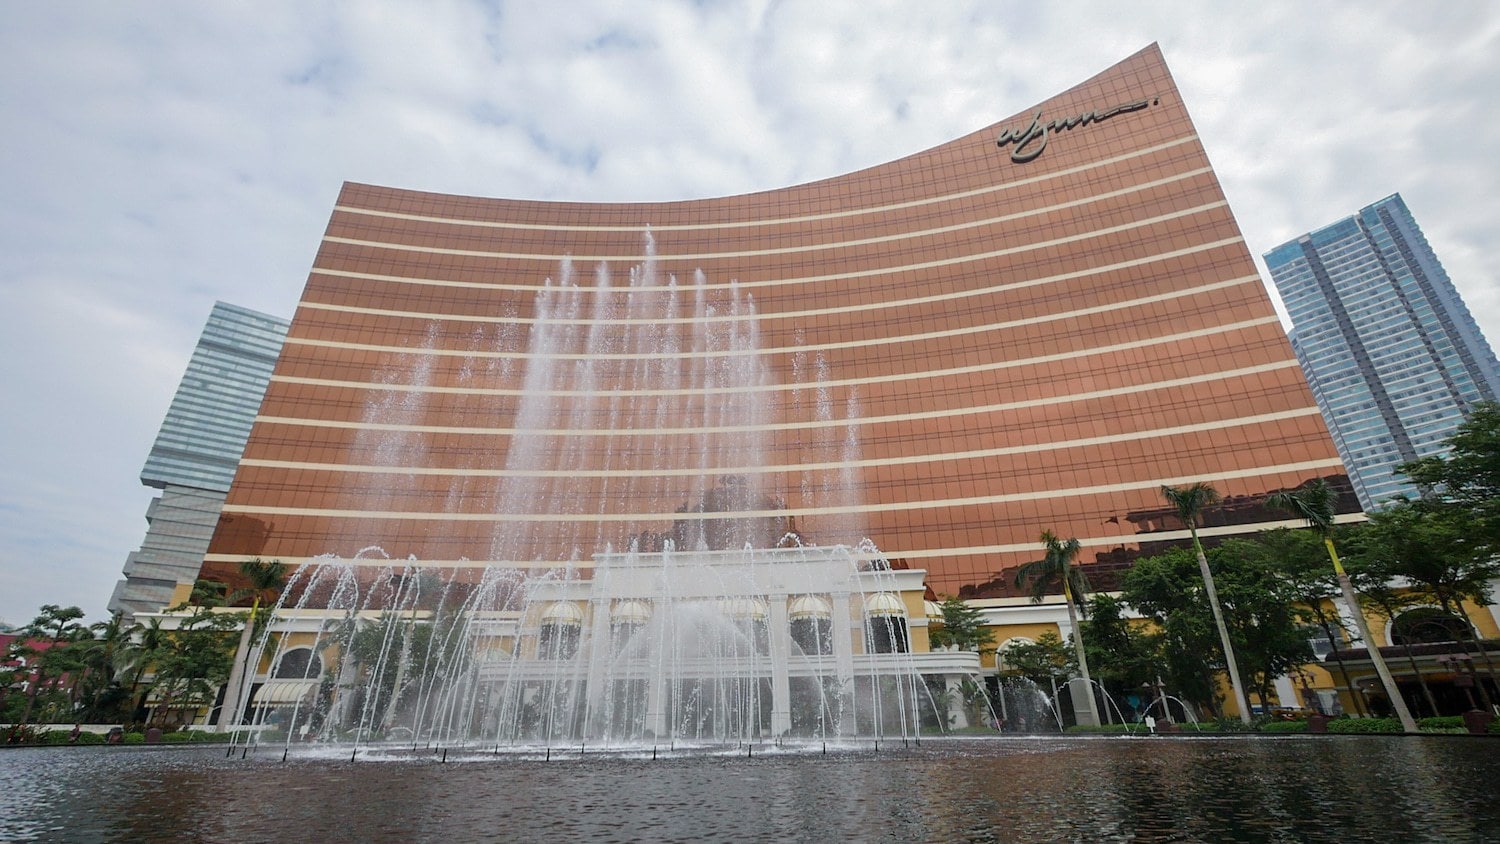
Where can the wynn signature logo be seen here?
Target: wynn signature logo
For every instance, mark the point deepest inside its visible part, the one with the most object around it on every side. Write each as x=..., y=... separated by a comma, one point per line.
x=1030, y=142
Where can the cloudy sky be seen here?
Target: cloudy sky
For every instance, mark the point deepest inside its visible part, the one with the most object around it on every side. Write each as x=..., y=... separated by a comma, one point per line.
x=161, y=156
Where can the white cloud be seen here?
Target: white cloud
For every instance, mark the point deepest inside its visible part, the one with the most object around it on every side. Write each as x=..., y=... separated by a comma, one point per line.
x=162, y=157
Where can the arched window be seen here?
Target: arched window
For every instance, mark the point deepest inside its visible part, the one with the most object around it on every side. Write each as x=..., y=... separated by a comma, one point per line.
x=749, y=616
x=562, y=627
x=1428, y=624
x=885, y=624
x=298, y=664
x=811, y=620
x=626, y=621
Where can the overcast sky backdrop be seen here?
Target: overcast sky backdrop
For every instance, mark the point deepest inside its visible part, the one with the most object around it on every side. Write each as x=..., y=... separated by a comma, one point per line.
x=161, y=156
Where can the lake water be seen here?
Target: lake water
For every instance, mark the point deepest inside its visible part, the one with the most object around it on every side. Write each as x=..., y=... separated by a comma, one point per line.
x=995, y=789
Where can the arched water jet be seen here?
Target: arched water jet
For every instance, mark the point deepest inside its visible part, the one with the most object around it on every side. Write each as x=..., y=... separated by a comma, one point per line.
x=663, y=401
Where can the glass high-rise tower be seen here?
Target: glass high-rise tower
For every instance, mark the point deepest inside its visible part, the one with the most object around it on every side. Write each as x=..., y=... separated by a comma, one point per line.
x=197, y=450
x=1394, y=358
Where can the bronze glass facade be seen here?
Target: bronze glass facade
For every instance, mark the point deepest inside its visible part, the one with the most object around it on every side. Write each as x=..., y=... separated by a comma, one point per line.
x=1031, y=327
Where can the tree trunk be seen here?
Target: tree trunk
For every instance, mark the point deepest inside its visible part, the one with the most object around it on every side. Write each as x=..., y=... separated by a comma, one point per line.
x=1359, y=705
x=229, y=714
x=1411, y=659
x=1489, y=665
x=1083, y=660
x=1242, y=702
x=1392, y=691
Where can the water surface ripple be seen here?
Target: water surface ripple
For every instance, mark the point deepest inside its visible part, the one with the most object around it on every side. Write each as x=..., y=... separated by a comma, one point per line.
x=1354, y=788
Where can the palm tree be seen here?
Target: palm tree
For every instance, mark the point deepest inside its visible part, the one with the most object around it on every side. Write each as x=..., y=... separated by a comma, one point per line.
x=102, y=656
x=266, y=580
x=148, y=642
x=1039, y=577
x=1314, y=504
x=1189, y=502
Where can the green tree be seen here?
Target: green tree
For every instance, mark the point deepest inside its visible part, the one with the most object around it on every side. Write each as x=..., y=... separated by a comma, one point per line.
x=1190, y=502
x=1258, y=610
x=1269, y=627
x=962, y=627
x=197, y=655
x=1314, y=503
x=1056, y=571
x=145, y=647
x=1428, y=544
x=1467, y=477
x=1304, y=564
x=1387, y=597
x=265, y=579
x=1047, y=662
x=43, y=645
x=102, y=657
x=1124, y=656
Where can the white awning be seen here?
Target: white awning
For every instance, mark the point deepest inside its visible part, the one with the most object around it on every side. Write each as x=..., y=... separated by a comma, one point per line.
x=284, y=692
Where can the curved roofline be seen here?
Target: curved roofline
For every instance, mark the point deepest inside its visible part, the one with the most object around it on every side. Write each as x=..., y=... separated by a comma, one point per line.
x=1151, y=49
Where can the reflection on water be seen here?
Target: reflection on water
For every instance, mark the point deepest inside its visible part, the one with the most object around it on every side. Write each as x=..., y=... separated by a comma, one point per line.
x=1245, y=789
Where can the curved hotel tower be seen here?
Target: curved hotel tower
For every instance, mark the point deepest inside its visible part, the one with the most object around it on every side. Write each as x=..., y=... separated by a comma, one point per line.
x=1032, y=327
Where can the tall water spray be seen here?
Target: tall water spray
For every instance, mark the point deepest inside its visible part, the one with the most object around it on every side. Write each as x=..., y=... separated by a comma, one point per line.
x=701, y=617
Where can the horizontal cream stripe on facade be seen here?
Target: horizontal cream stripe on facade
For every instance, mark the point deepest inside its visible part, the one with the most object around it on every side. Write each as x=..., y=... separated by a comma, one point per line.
x=784, y=250
x=908, y=554
x=866, y=241
x=863, y=509
x=924, y=375
x=696, y=471
x=787, y=426
x=785, y=282
x=777, y=221
x=772, y=315
x=883, y=340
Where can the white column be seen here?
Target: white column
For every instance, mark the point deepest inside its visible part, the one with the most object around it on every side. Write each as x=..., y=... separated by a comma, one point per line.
x=1286, y=693
x=656, y=693
x=1082, y=714
x=781, y=648
x=595, y=648
x=843, y=660
x=952, y=684
x=229, y=713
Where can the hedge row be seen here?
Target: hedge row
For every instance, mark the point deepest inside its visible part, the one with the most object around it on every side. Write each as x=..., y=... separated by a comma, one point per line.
x=1346, y=726
x=64, y=737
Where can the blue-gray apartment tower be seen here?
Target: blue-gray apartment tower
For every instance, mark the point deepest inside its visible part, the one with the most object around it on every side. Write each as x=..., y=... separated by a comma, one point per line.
x=197, y=451
x=1394, y=359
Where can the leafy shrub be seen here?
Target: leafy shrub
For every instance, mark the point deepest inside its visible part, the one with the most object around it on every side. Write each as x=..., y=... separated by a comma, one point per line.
x=1364, y=725
x=1283, y=727
x=53, y=737
x=133, y=738
x=1451, y=724
x=1444, y=722
x=1107, y=729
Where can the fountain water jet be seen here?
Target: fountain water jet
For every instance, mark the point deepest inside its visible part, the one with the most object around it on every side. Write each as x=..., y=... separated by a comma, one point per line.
x=726, y=626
